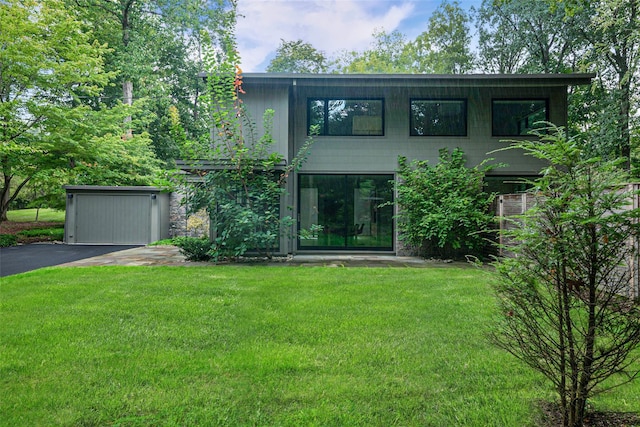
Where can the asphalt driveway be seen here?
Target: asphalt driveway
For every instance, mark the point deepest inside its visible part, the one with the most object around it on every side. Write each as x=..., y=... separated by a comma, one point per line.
x=19, y=259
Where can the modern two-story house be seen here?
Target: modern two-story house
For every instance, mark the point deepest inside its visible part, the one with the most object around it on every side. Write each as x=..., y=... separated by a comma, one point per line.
x=364, y=122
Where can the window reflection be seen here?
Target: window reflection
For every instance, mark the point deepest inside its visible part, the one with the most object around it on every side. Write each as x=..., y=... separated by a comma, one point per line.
x=346, y=117
x=346, y=212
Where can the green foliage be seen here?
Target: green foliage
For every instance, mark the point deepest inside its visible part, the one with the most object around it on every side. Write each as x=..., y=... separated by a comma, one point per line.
x=500, y=49
x=565, y=292
x=48, y=63
x=614, y=35
x=297, y=57
x=247, y=213
x=55, y=233
x=194, y=248
x=44, y=190
x=443, y=209
x=524, y=36
x=444, y=47
x=111, y=158
x=243, y=196
x=388, y=54
x=7, y=240
x=156, y=49
x=166, y=242
x=558, y=36
x=54, y=130
x=245, y=181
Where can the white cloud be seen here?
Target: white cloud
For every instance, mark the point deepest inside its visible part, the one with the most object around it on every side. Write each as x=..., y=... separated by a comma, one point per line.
x=329, y=25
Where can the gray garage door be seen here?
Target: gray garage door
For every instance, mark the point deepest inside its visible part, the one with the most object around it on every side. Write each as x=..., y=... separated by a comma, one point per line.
x=118, y=219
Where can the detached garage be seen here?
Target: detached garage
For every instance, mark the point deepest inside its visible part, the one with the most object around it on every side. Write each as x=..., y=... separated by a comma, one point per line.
x=116, y=215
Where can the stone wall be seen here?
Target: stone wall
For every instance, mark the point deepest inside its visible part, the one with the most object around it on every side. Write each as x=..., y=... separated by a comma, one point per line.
x=177, y=215
x=405, y=249
x=183, y=225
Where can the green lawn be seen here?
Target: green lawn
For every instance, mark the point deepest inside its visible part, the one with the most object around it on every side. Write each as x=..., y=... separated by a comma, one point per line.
x=268, y=346
x=45, y=215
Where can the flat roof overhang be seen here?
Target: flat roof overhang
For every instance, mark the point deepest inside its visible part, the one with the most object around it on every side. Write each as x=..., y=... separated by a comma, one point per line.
x=105, y=188
x=419, y=80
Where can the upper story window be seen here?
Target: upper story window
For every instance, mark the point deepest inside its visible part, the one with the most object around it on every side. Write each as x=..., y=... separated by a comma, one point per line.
x=517, y=117
x=346, y=117
x=438, y=117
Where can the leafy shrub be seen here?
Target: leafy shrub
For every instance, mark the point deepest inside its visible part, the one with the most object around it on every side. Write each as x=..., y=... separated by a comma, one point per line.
x=443, y=210
x=7, y=240
x=166, y=242
x=18, y=203
x=194, y=248
x=53, y=233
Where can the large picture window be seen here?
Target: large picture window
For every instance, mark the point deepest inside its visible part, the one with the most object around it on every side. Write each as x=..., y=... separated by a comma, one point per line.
x=345, y=212
x=517, y=117
x=346, y=117
x=438, y=117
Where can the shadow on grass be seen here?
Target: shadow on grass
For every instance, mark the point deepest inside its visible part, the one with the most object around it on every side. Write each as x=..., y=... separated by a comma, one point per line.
x=552, y=417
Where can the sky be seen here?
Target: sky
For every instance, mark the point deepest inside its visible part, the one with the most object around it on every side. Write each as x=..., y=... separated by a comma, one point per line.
x=330, y=26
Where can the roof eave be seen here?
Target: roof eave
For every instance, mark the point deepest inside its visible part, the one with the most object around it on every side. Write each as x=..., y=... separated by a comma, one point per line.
x=512, y=80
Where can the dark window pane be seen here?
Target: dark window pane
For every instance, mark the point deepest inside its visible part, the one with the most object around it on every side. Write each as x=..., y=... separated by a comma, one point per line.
x=355, y=117
x=347, y=117
x=518, y=117
x=316, y=115
x=346, y=212
x=438, y=117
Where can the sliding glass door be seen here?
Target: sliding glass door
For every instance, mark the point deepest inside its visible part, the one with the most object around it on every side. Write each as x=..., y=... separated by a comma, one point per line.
x=352, y=212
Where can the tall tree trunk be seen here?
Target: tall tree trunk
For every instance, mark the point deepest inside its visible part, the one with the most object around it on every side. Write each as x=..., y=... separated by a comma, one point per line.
x=127, y=85
x=4, y=198
x=127, y=98
x=625, y=114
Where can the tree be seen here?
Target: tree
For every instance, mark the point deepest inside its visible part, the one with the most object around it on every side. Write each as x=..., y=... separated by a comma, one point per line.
x=444, y=47
x=608, y=32
x=443, y=209
x=125, y=12
x=51, y=68
x=109, y=158
x=564, y=293
x=614, y=36
x=48, y=62
x=500, y=49
x=156, y=51
x=297, y=57
x=172, y=82
x=388, y=54
x=544, y=36
x=127, y=36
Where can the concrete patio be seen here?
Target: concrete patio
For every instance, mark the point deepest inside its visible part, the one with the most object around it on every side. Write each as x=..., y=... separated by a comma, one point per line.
x=170, y=255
